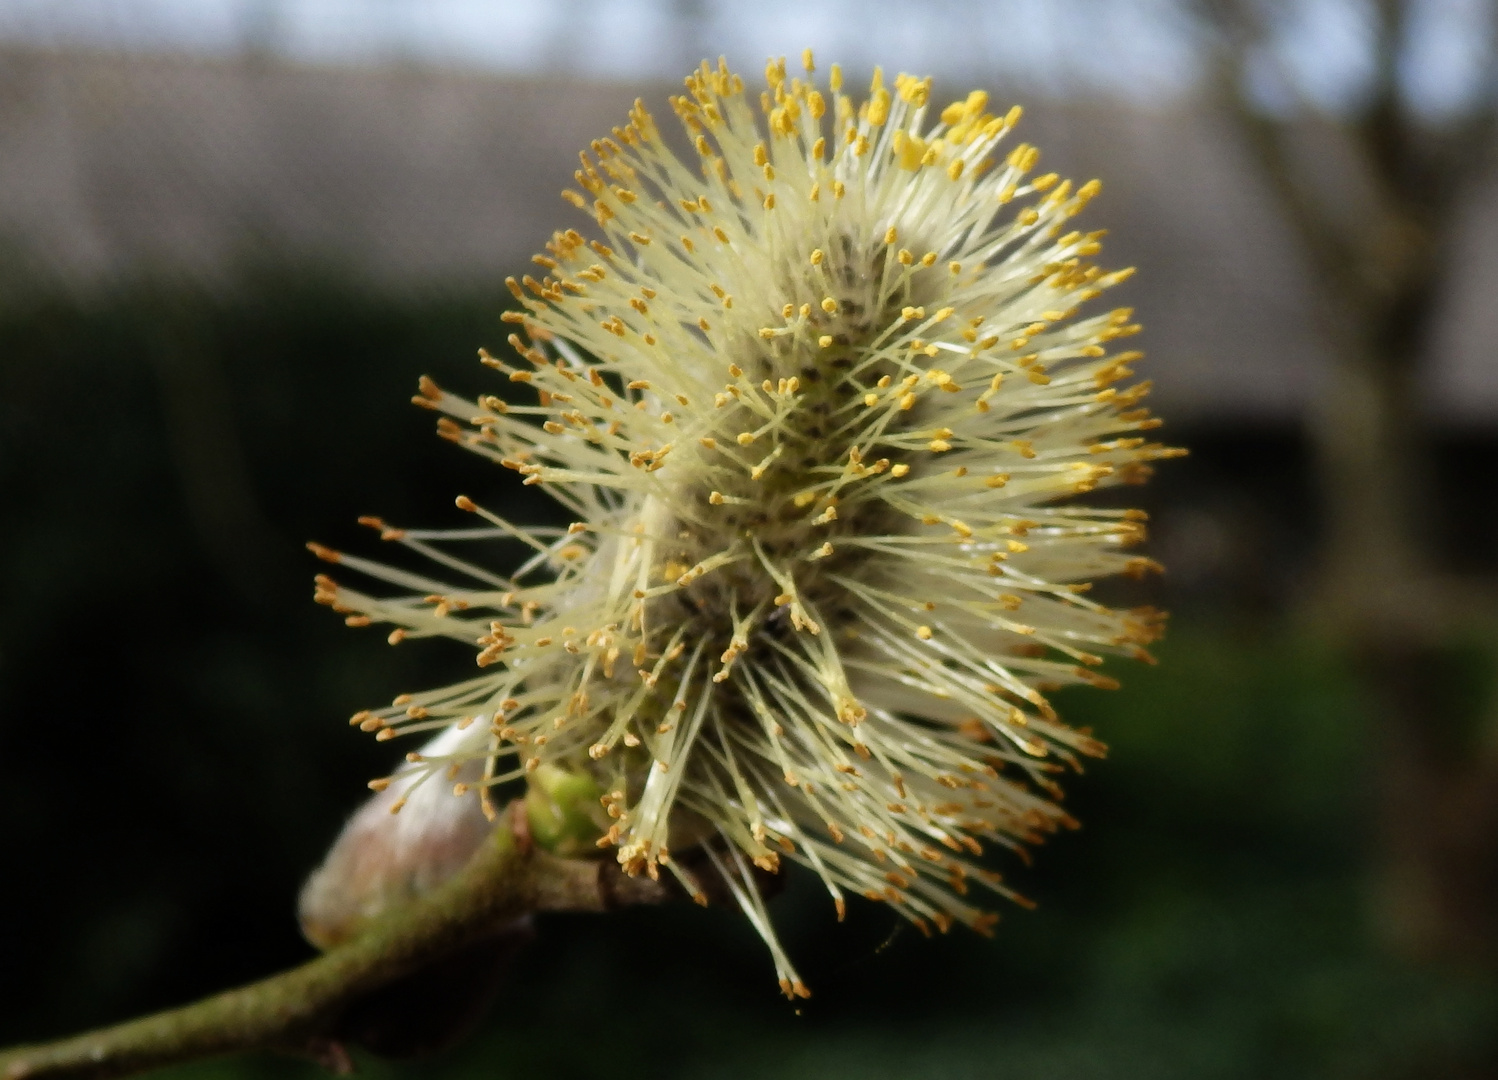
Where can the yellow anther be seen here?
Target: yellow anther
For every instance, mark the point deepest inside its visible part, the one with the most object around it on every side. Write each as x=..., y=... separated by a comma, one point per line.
x=910, y=150
x=817, y=256
x=829, y=305
x=1029, y=159
x=915, y=91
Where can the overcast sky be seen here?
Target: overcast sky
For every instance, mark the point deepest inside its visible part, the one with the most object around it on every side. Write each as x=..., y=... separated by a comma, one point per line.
x=1135, y=48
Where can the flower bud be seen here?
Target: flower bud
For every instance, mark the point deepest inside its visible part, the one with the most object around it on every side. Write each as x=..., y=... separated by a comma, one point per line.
x=383, y=860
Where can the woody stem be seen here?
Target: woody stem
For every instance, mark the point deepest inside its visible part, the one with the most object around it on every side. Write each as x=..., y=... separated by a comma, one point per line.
x=298, y=1012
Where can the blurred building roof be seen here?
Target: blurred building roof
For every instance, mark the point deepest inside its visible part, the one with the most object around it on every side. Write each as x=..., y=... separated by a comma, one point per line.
x=114, y=166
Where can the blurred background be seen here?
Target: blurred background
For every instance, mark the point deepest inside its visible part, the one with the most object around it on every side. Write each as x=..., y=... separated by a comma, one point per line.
x=234, y=232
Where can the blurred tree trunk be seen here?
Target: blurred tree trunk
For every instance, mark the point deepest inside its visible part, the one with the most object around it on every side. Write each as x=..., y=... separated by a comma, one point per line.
x=1378, y=240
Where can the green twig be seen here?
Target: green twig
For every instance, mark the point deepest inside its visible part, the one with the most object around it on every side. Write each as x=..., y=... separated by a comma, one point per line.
x=298, y=1011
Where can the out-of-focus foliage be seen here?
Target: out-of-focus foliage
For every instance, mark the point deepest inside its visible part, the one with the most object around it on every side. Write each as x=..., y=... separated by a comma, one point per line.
x=173, y=755
x=171, y=746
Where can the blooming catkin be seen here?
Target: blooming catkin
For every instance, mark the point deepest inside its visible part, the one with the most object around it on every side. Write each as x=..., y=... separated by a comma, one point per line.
x=818, y=402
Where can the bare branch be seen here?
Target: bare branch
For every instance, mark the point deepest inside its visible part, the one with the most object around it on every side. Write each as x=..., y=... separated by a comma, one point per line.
x=1238, y=29
x=299, y=1011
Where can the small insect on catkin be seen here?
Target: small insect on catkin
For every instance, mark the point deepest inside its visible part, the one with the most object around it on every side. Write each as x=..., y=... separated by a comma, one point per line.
x=818, y=401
